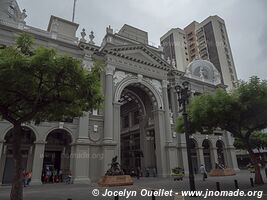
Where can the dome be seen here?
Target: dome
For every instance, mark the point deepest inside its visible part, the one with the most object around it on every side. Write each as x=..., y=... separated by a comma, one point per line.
x=203, y=70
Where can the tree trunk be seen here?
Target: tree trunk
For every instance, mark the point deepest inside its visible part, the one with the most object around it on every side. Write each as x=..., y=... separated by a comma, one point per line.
x=256, y=163
x=17, y=189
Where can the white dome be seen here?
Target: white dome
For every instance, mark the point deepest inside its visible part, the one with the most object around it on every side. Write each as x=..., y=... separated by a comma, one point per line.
x=203, y=70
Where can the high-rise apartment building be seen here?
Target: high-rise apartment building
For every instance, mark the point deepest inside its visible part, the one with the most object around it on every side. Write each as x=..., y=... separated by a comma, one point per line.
x=207, y=40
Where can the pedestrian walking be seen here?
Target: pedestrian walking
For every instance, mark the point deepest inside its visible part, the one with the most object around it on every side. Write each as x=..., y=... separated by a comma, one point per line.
x=203, y=171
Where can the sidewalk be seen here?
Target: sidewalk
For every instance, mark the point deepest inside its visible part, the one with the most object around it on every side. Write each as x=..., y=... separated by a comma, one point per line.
x=84, y=192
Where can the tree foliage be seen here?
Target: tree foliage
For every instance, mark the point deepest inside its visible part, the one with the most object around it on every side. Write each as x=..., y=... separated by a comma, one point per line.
x=41, y=85
x=257, y=140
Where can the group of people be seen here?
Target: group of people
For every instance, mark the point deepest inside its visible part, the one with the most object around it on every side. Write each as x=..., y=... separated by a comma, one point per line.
x=52, y=175
x=26, y=177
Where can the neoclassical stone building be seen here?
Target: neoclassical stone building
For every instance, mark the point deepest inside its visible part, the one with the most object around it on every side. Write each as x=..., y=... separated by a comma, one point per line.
x=137, y=122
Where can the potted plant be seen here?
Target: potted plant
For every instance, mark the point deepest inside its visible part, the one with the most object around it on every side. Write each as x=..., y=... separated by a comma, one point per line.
x=177, y=173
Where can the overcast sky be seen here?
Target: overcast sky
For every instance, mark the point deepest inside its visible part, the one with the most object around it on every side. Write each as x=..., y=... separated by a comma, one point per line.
x=246, y=22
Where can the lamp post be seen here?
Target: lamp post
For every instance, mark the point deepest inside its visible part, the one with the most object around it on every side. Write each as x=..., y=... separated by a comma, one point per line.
x=183, y=93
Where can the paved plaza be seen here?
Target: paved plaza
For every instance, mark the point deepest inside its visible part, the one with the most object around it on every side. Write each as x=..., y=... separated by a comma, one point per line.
x=83, y=192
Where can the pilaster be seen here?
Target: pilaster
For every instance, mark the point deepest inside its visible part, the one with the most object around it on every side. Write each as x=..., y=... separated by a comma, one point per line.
x=214, y=157
x=83, y=126
x=38, y=159
x=174, y=101
x=109, y=152
x=116, y=128
x=80, y=161
x=160, y=143
x=1, y=160
x=231, y=158
x=108, y=104
x=1, y=148
x=167, y=111
x=200, y=156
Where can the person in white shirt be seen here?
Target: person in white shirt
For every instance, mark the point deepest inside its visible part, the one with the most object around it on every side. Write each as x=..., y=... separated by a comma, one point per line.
x=203, y=171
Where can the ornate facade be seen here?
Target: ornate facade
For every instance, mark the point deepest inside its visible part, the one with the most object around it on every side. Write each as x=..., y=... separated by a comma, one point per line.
x=137, y=122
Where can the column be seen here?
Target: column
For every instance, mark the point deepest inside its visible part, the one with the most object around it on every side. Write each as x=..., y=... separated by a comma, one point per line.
x=83, y=126
x=80, y=155
x=2, y=159
x=200, y=156
x=230, y=152
x=30, y=157
x=80, y=163
x=231, y=158
x=38, y=159
x=160, y=143
x=174, y=103
x=108, y=104
x=109, y=152
x=167, y=111
x=117, y=128
x=72, y=158
x=214, y=157
x=1, y=148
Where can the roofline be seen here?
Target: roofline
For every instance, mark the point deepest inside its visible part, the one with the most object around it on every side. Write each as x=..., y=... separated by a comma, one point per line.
x=61, y=19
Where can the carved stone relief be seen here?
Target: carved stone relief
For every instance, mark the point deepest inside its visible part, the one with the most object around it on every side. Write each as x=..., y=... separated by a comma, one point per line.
x=119, y=76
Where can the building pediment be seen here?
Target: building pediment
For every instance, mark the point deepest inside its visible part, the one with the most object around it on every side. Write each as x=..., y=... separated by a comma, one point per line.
x=140, y=54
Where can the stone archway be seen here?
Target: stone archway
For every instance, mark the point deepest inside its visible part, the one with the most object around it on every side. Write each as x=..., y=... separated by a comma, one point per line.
x=56, y=155
x=137, y=134
x=149, y=111
x=27, y=149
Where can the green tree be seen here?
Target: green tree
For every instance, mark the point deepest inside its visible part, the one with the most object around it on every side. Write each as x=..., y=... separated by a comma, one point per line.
x=40, y=85
x=258, y=140
x=240, y=112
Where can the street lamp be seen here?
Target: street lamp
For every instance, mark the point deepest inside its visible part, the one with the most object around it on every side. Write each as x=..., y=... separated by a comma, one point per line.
x=183, y=93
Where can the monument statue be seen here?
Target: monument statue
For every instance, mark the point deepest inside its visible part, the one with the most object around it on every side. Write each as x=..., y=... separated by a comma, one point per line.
x=115, y=169
x=115, y=176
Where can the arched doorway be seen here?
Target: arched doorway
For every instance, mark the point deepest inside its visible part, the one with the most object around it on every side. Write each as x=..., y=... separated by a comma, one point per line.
x=137, y=133
x=194, y=156
x=56, y=155
x=207, y=154
x=220, y=152
x=27, y=146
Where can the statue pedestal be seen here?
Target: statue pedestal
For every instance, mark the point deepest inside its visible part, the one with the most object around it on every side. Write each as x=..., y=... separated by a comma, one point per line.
x=222, y=172
x=109, y=181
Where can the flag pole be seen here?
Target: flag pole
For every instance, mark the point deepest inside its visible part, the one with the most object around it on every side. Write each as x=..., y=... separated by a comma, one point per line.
x=74, y=8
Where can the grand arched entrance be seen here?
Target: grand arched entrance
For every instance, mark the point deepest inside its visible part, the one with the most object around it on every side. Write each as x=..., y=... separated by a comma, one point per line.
x=57, y=155
x=137, y=134
x=7, y=163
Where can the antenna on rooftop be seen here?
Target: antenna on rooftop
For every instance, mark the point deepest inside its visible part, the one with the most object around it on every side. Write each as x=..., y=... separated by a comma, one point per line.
x=74, y=8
